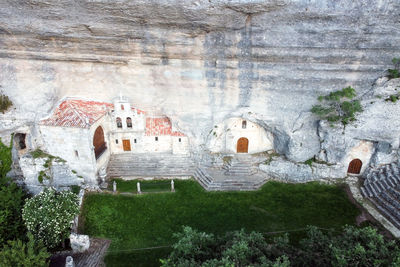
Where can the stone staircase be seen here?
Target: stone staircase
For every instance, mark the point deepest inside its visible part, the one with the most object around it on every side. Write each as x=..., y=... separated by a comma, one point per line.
x=382, y=187
x=150, y=165
x=240, y=166
x=210, y=184
x=237, y=175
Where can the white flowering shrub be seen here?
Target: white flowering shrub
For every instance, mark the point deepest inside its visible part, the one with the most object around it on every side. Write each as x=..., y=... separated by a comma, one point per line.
x=48, y=215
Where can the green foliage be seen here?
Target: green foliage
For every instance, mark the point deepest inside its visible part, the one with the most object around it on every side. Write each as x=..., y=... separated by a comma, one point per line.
x=12, y=200
x=275, y=207
x=393, y=98
x=362, y=247
x=394, y=73
x=75, y=189
x=5, y=158
x=145, y=186
x=335, y=107
x=352, y=247
x=38, y=153
x=237, y=248
x=309, y=162
x=42, y=175
x=48, y=215
x=5, y=103
x=20, y=254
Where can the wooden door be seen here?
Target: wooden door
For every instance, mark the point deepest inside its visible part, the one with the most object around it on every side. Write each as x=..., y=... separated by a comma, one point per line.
x=127, y=145
x=243, y=145
x=355, y=166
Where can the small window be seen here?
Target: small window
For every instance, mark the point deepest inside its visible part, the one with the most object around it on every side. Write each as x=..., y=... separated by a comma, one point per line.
x=76, y=153
x=180, y=140
x=129, y=122
x=116, y=141
x=156, y=138
x=122, y=107
x=134, y=140
x=244, y=124
x=119, y=122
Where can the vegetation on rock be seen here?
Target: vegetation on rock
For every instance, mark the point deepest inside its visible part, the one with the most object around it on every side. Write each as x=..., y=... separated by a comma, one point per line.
x=338, y=106
x=352, y=247
x=5, y=103
x=395, y=73
x=48, y=215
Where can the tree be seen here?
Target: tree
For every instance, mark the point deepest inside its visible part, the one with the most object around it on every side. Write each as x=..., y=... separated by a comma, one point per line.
x=11, y=203
x=351, y=247
x=12, y=200
x=48, y=215
x=338, y=106
x=236, y=248
x=20, y=254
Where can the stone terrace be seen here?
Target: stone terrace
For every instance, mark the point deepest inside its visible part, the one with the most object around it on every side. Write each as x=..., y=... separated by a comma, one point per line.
x=239, y=174
x=382, y=187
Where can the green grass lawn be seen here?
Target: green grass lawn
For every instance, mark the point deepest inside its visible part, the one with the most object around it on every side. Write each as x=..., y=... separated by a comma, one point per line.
x=145, y=186
x=149, y=220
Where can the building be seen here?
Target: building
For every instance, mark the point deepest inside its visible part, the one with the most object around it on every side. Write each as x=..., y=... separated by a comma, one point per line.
x=86, y=133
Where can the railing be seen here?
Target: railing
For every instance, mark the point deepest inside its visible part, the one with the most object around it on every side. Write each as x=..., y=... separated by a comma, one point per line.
x=99, y=151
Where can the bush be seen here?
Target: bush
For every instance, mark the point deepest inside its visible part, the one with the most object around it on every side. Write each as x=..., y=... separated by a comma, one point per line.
x=237, y=248
x=394, y=73
x=11, y=203
x=5, y=103
x=18, y=253
x=48, y=215
x=335, y=107
x=12, y=200
x=351, y=247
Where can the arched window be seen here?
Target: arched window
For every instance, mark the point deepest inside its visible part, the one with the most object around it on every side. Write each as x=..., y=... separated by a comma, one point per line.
x=129, y=122
x=119, y=122
x=244, y=124
x=98, y=142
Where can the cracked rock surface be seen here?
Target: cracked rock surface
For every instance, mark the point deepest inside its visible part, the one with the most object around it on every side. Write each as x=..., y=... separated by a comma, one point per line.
x=201, y=62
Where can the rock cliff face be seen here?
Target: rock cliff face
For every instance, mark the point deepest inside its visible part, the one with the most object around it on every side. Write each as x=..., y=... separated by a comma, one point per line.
x=202, y=62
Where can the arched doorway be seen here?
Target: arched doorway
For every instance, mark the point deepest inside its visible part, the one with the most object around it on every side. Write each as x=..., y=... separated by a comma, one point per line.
x=98, y=142
x=355, y=166
x=243, y=145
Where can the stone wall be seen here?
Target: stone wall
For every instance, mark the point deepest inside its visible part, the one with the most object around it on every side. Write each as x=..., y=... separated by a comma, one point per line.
x=202, y=62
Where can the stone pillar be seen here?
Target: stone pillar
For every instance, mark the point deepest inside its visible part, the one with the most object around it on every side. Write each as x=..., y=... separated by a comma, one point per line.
x=114, y=186
x=172, y=186
x=138, y=188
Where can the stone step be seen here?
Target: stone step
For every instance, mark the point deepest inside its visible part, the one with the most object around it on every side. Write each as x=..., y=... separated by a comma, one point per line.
x=386, y=213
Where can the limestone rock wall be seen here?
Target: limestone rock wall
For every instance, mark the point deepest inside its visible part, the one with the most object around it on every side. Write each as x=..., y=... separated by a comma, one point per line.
x=201, y=62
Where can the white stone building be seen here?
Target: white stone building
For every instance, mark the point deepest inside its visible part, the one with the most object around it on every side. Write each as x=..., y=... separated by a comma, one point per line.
x=86, y=133
x=237, y=135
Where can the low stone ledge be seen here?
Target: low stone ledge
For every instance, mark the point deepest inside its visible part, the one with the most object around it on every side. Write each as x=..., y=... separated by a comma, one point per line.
x=289, y=171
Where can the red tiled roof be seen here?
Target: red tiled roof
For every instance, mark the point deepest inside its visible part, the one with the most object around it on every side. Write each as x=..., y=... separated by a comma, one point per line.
x=77, y=113
x=160, y=126
x=138, y=110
